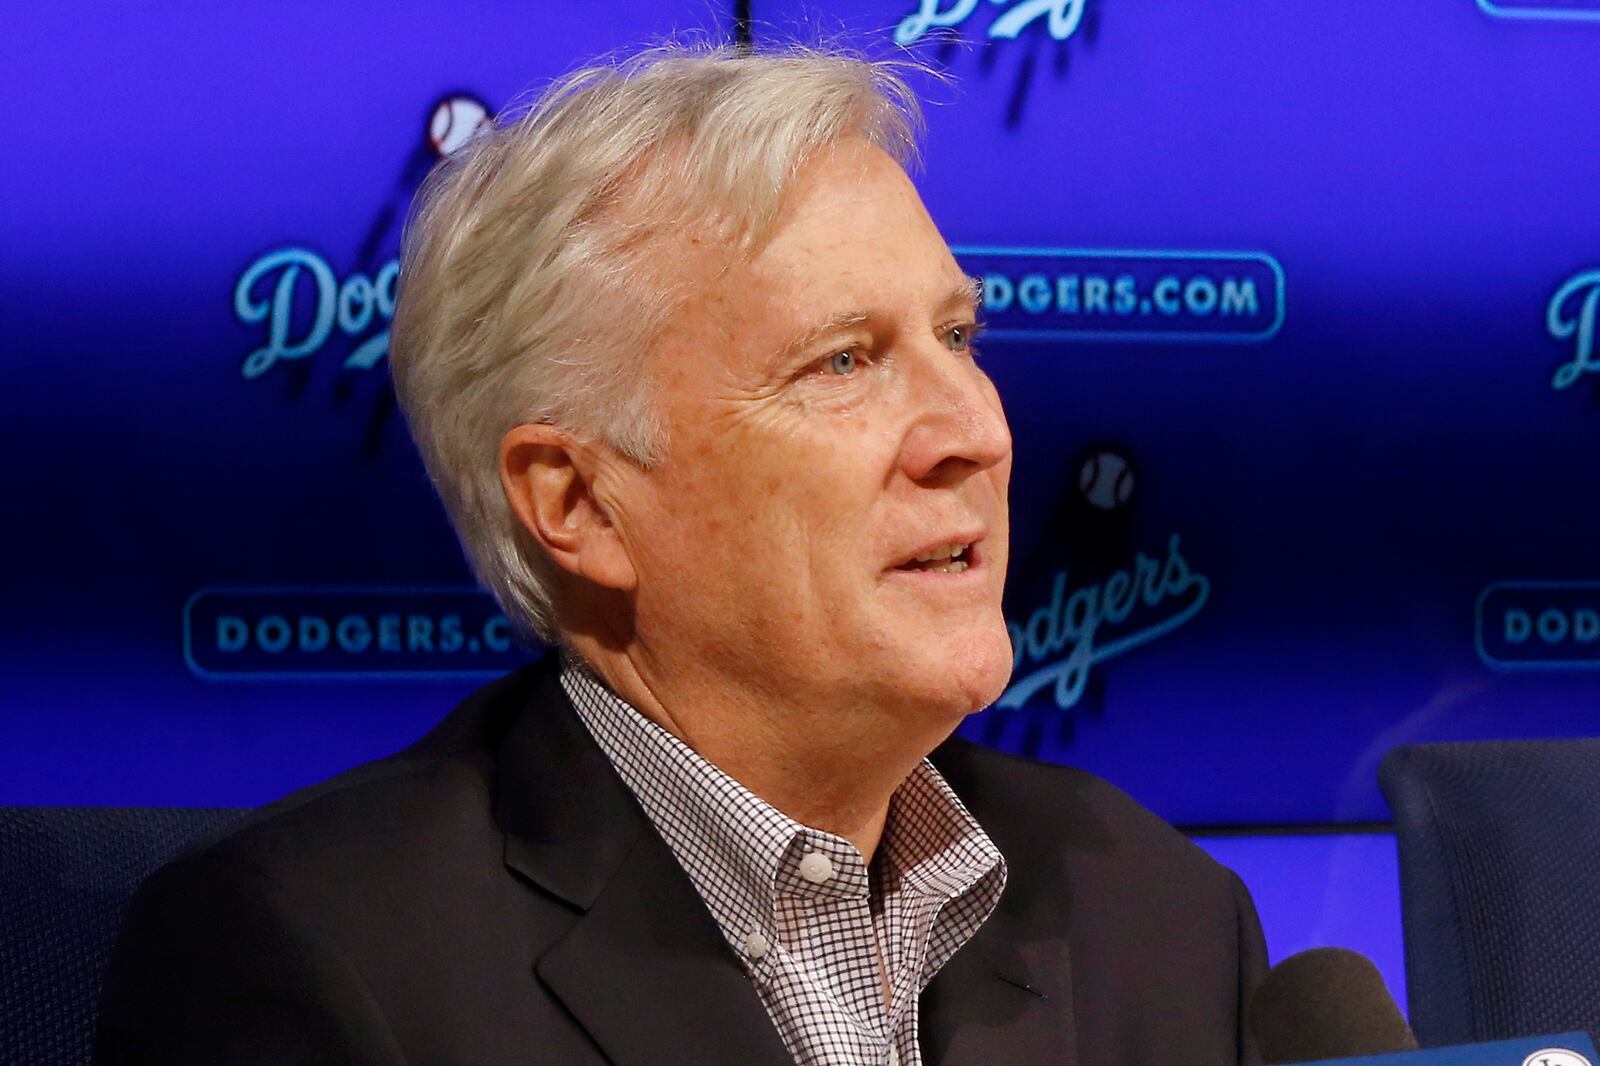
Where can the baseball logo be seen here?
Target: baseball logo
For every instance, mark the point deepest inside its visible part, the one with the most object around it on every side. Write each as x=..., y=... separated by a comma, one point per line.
x=455, y=119
x=1555, y=1056
x=1106, y=480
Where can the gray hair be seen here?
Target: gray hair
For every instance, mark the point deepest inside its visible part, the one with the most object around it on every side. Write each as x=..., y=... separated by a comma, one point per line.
x=526, y=292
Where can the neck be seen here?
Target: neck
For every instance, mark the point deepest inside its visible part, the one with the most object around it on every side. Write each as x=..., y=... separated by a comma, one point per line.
x=829, y=768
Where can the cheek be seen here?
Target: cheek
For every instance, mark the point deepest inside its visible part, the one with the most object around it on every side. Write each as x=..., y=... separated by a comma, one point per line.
x=726, y=505
x=753, y=493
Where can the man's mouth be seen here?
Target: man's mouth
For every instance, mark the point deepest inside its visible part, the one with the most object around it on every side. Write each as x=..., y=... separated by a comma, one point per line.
x=945, y=559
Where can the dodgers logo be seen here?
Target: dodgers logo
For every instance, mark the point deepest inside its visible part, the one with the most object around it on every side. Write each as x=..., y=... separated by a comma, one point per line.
x=1570, y=318
x=271, y=291
x=1558, y=10
x=945, y=30
x=1059, y=643
x=297, y=633
x=1061, y=17
x=296, y=298
x=1540, y=625
x=1555, y=1056
x=1066, y=294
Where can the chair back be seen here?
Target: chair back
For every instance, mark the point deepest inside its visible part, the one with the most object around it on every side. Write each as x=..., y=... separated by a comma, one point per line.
x=66, y=876
x=1499, y=886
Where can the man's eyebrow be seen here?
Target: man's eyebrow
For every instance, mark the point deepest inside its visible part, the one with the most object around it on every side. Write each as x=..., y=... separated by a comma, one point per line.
x=832, y=324
x=969, y=294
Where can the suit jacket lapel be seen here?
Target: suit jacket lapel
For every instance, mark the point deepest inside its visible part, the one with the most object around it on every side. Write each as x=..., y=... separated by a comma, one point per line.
x=1006, y=996
x=644, y=968
x=651, y=977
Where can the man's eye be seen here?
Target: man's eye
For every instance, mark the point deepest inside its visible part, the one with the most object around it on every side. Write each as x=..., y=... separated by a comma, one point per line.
x=842, y=363
x=958, y=338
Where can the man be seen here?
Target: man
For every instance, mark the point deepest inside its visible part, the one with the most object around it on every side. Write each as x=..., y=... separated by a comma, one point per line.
x=693, y=372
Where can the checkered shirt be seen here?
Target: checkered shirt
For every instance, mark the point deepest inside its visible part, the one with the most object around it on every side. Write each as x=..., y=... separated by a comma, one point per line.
x=800, y=907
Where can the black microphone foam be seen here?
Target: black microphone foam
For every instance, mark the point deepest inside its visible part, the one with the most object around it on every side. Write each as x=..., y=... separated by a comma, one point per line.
x=1326, y=1003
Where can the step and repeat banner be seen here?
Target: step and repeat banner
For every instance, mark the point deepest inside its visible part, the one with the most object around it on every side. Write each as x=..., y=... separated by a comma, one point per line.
x=227, y=575
x=1292, y=307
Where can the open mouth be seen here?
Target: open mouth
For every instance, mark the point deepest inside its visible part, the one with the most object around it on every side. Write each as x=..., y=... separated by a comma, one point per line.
x=945, y=559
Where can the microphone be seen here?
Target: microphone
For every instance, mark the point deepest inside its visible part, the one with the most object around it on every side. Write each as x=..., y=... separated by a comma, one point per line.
x=1326, y=1003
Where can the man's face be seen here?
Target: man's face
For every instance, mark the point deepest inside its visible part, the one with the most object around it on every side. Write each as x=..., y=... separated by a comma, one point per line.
x=827, y=426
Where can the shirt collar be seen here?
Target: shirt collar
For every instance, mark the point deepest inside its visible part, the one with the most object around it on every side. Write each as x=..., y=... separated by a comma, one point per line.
x=741, y=853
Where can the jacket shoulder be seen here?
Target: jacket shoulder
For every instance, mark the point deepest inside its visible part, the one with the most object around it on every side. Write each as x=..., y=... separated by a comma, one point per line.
x=437, y=791
x=1164, y=940
x=302, y=930
x=1040, y=812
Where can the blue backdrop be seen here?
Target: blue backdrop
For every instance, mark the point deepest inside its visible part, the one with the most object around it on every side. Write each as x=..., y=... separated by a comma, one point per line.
x=1292, y=309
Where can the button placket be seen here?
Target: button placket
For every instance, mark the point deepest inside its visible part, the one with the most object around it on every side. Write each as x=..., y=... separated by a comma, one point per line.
x=813, y=977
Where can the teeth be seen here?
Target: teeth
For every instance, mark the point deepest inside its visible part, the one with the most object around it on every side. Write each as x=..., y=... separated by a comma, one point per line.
x=947, y=551
x=954, y=567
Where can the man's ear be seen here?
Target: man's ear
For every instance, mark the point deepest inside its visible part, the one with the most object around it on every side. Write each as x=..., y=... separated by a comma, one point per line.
x=548, y=477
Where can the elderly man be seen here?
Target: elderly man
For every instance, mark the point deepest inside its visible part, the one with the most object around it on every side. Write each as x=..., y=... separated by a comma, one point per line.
x=694, y=374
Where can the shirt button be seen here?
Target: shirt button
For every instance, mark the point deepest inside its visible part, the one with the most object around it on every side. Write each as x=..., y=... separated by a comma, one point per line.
x=815, y=867
x=757, y=946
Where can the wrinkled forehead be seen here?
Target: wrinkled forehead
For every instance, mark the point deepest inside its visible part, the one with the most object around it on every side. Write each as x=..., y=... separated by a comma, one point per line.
x=698, y=236
x=851, y=241
x=831, y=197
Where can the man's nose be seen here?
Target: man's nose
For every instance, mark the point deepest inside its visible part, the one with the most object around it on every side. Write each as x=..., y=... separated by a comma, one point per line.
x=958, y=427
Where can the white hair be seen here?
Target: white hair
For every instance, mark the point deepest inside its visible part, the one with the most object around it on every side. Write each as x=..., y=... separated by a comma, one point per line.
x=526, y=293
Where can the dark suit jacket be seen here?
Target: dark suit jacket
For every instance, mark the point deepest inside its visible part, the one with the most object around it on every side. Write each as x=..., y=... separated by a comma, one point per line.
x=493, y=894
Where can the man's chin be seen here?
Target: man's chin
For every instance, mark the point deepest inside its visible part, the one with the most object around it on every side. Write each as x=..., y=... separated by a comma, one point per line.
x=988, y=685
x=969, y=676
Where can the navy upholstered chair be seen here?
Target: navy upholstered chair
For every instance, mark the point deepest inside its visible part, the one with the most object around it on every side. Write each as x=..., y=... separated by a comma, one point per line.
x=1500, y=886
x=66, y=874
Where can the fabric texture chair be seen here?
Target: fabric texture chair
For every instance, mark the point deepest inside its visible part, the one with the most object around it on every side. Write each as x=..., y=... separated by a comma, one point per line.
x=1499, y=885
x=66, y=875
